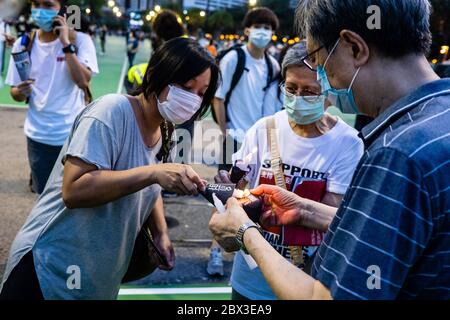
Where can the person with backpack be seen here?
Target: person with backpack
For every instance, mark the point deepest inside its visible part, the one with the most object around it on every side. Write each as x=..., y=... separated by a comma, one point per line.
x=62, y=64
x=247, y=74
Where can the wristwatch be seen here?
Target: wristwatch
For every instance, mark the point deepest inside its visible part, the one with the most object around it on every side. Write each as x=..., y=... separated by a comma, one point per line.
x=241, y=232
x=71, y=48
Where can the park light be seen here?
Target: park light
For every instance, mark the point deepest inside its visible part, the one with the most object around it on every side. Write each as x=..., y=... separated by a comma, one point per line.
x=291, y=42
x=111, y=3
x=188, y=18
x=180, y=21
x=148, y=17
x=88, y=11
x=285, y=40
x=434, y=61
x=115, y=10
x=444, y=49
x=157, y=8
x=152, y=13
x=274, y=38
x=297, y=39
x=252, y=3
x=222, y=37
x=118, y=14
x=202, y=13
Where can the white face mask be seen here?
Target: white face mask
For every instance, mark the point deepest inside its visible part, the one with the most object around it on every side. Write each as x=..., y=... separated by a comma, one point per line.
x=181, y=105
x=260, y=37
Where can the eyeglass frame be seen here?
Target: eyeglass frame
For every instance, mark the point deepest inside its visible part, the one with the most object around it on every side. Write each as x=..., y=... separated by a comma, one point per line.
x=307, y=98
x=305, y=58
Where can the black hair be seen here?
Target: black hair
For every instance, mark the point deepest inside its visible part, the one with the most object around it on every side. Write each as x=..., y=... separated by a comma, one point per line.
x=176, y=62
x=261, y=15
x=167, y=27
x=404, y=27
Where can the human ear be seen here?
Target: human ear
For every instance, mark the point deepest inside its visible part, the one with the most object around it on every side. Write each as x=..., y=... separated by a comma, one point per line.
x=356, y=46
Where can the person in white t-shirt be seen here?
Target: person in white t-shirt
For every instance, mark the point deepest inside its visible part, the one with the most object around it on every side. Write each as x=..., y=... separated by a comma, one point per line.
x=319, y=153
x=237, y=108
x=62, y=64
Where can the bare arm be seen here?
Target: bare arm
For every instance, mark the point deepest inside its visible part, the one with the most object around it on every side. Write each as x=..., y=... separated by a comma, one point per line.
x=80, y=74
x=291, y=209
x=158, y=228
x=287, y=281
x=157, y=221
x=84, y=186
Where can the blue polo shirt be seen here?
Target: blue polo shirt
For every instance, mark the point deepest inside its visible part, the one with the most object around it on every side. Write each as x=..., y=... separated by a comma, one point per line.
x=391, y=237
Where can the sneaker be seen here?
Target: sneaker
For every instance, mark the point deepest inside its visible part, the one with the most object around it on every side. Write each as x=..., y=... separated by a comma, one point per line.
x=215, y=263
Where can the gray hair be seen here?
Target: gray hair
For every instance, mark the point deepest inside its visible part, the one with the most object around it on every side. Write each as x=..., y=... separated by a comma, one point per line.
x=293, y=57
x=404, y=28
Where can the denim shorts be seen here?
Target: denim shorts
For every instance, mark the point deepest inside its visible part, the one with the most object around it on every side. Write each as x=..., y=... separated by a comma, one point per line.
x=42, y=158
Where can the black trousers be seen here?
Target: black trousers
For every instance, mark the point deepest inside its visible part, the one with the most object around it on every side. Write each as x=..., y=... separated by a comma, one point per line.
x=42, y=159
x=236, y=296
x=22, y=283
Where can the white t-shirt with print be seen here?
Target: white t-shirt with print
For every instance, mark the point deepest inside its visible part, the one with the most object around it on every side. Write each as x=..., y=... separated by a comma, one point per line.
x=312, y=167
x=56, y=99
x=247, y=101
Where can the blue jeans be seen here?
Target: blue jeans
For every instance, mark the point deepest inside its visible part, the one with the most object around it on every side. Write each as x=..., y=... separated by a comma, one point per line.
x=42, y=158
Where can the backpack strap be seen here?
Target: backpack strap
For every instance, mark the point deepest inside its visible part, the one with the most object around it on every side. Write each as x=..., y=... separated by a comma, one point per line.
x=277, y=168
x=238, y=72
x=275, y=157
x=27, y=41
x=270, y=70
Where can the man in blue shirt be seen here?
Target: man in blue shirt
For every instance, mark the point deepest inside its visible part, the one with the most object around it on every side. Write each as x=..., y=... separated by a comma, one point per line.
x=390, y=239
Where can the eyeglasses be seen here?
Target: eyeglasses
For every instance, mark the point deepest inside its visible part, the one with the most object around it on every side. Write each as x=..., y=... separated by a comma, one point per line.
x=291, y=94
x=306, y=59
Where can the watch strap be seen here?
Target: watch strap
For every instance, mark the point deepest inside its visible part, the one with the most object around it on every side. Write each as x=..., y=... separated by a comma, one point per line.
x=241, y=232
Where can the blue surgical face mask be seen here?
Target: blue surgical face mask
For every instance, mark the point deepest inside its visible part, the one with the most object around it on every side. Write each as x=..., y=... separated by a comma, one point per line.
x=304, y=110
x=260, y=37
x=343, y=99
x=44, y=18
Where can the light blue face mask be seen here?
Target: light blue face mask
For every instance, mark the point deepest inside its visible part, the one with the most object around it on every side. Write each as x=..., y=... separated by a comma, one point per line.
x=260, y=37
x=44, y=18
x=343, y=99
x=304, y=110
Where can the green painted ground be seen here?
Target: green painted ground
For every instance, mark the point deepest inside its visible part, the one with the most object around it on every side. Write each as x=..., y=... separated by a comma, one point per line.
x=177, y=296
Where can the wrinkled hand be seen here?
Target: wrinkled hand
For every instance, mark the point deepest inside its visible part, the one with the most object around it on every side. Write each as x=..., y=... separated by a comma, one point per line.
x=163, y=243
x=63, y=30
x=224, y=226
x=282, y=207
x=222, y=177
x=178, y=178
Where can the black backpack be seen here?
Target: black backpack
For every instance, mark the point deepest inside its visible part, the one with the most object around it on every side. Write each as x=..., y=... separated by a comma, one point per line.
x=238, y=72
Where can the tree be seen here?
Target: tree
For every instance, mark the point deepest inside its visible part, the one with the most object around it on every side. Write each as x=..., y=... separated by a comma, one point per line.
x=221, y=21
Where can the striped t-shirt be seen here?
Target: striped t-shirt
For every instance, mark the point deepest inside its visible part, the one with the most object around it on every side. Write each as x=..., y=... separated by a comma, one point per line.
x=391, y=237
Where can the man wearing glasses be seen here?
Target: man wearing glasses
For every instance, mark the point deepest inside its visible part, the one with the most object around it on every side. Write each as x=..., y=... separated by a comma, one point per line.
x=390, y=236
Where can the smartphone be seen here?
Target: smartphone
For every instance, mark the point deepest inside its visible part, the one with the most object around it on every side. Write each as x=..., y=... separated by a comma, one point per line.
x=61, y=13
